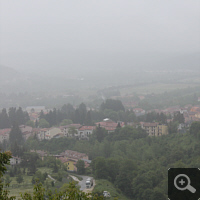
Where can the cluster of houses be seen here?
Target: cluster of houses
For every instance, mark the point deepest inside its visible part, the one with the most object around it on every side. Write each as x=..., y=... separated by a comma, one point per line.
x=190, y=113
x=69, y=158
x=73, y=130
x=76, y=130
x=27, y=131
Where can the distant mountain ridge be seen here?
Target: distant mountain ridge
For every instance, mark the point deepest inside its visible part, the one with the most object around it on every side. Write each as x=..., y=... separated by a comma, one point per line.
x=7, y=71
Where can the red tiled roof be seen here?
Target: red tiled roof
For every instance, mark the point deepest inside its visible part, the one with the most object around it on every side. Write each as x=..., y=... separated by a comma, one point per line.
x=5, y=131
x=73, y=154
x=87, y=128
x=195, y=109
x=65, y=159
x=109, y=126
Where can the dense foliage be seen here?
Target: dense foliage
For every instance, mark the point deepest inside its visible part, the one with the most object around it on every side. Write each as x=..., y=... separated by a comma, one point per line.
x=13, y=116
x=69, y=191
x=134, y=162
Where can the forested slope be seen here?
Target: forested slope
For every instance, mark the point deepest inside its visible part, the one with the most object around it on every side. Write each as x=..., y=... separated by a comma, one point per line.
x=134, y=162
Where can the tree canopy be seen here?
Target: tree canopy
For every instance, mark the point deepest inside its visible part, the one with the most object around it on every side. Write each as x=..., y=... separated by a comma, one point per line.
x=115, y=105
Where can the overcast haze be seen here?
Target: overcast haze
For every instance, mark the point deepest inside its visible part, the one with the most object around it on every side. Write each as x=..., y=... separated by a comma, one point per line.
x=46, y=34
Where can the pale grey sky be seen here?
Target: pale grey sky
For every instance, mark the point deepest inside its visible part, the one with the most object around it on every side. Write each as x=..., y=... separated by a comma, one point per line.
x=84, y=34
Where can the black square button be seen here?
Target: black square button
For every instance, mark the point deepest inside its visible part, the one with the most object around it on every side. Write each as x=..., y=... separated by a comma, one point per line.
x=184, y=184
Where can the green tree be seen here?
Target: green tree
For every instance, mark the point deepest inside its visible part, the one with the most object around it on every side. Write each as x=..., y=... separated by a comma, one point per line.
x=43, y=123
x=173, y=127
x=82, y=113
x=4, y=120
x=42, y=115
x=195, y=128
x=30, y=123
x=100, y=168
x=113, y=166
x=29, y=161
x=179, y=118
x=4, y=160
x=115, y=105
x=8, y=180
x=66, y=122
x=20, y=116
x=80, y=167
x=69, y=192
x=36, y=123
x=19, y=178
x=100, y=133
x=88, y=120
x=12, y=115
x=15, y=135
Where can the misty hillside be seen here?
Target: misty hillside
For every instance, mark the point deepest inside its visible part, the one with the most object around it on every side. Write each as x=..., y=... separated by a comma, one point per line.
x=7, y=73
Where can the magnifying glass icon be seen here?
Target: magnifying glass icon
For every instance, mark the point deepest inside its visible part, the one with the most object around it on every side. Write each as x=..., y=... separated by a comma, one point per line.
x=186, y=184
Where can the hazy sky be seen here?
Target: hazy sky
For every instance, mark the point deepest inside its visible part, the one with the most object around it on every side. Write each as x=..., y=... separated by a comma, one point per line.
x=82, y=33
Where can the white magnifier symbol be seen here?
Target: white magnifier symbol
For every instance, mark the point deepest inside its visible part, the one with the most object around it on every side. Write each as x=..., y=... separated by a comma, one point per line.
x=182, y=182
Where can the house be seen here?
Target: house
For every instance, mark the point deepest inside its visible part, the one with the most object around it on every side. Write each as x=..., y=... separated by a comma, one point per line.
x=70, y=158
x=69, y=163
x=109, y=125
x=41, y=153
x=139, y=112
x=26, y=131
x=195, y=109
x=51, y=132
x=25, y=128
x=150, y=128
x=162, y=129
x=65, y=129
x=154, y=129
x=197, y=115
x=15, y=160
x=48, y=133
x=182, y=128
x=4, y=134
x=183, y=110
x=85, y=131
x=42, y=133
x=26, y=135
x=34, y=116
x=171, y=110
x=74, y=155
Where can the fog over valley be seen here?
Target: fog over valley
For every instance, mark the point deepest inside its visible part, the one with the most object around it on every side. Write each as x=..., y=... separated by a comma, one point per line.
x=100, y=99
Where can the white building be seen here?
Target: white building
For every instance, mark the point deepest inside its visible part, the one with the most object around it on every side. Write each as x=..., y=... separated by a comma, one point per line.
x=4, y=134
x=15, y=160
x=66, y=129
x=48, y=133
x=85, y=131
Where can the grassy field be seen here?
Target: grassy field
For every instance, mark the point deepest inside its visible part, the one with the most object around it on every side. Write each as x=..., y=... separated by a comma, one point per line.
x=17, y=189
x=104, y=185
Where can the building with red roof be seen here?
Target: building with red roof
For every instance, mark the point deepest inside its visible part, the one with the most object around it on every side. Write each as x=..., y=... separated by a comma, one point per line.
x=85, y=131
x=109, y=125
x=4, y=134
